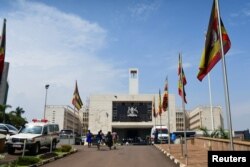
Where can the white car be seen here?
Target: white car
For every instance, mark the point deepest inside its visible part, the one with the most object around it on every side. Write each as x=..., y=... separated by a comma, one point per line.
x=33, y=136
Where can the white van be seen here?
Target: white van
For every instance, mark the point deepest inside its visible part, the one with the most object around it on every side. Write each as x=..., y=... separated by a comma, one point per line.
x=162, y=134
x=35, y=134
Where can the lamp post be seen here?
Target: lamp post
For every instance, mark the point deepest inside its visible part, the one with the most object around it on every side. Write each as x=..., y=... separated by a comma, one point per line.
x=46, y=91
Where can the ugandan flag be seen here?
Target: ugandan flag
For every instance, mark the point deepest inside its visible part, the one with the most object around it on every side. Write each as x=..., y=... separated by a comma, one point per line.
x=182, y=80
x=153, y=108
x=76, y=101
x=2, y=48
x=160, y=106
x=212, y=52
x=165, y=96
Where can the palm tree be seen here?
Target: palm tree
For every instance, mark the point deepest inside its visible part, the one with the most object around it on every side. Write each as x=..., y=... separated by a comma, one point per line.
x=205, y=131
x=222, y=133
x=18, y=112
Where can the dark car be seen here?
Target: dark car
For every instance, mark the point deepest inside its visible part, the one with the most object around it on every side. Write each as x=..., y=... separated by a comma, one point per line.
x=78, y=139
x=8, y=129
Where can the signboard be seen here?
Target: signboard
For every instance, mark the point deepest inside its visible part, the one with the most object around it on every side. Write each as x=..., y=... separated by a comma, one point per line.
x=132, y=111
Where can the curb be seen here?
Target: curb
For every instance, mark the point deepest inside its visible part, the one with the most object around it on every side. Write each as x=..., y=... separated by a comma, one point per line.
x=171, y=157
x=52, y=159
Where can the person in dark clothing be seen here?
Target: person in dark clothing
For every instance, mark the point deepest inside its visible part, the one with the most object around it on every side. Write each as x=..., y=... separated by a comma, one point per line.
x=99, y=139
x=156, y=136
x=109, y=140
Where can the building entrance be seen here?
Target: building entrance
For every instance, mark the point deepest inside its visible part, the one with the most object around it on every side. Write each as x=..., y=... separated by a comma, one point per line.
x=132, y=135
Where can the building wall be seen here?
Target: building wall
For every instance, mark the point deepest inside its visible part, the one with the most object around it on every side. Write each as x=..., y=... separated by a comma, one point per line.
x=64, y=116
x=100, y=112
x=85, y=123
x=201, y=117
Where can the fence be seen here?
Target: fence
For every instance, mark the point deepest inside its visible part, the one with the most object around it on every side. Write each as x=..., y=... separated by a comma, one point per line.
x=219, y=144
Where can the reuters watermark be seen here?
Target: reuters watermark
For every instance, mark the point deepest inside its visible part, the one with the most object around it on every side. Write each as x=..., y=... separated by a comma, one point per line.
x=229, y=158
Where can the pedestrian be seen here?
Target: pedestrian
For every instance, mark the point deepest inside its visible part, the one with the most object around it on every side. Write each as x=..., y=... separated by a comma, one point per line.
x=99, y=139
x=156, y=136
x=109, y=140
x=89, y=138
x=115, y=139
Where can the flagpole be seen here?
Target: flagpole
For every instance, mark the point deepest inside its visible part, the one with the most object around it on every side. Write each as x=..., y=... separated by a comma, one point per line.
x=226, y=91
x=168, y=117
x=184, y=113
x=210, y=98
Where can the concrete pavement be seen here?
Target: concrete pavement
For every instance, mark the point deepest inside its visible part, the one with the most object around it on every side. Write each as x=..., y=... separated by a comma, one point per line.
x=197, y=155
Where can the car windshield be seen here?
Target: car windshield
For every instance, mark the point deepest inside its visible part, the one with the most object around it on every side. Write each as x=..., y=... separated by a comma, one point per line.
x=66, y=132
x=11, y=127
x=163, y=131
x=32, y=129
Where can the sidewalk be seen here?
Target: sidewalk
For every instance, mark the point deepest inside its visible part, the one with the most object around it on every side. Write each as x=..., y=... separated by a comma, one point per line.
x=197, y=155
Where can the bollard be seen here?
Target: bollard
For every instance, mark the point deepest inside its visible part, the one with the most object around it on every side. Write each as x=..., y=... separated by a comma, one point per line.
x=51, y=142
x=24, y=147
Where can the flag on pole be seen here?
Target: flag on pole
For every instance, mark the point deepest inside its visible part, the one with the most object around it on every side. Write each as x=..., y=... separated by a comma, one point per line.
x=153, y=108
x=160, y=107
x=2, y=48
x=182, y=80
x=76, y=101
x=212, y=51
x=165, y=96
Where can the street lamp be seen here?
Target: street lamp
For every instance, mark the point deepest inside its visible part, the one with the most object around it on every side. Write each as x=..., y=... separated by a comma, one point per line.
x=46, y=91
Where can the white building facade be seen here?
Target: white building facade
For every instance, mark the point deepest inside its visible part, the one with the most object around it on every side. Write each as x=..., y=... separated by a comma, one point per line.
x=130, y=115
x=65, y=116
x=202, y=117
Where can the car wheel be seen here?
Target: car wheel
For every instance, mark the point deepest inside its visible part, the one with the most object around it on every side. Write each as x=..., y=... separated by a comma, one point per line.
x=11, y=150
x=35, y=149
x=54, y=145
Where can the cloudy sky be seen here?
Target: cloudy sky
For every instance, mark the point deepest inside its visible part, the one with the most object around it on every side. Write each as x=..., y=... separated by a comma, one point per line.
x=95, y=42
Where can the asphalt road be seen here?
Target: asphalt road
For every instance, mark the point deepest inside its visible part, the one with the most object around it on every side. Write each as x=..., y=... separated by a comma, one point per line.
x=123, y=156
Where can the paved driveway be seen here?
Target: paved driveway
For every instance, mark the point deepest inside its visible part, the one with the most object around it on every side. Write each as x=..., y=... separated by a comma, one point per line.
x=123, y=156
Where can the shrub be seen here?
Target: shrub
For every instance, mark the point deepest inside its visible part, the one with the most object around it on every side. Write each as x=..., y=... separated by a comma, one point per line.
x=66, y=148
x=26, y=160
x=48, y=155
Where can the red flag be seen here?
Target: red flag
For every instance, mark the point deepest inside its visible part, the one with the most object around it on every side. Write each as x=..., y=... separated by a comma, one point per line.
x=182, y=80
x=212, y=53
x=159, y=107
x=76, y=101
x=2, y=48
x=165, y=97
x=153, y=108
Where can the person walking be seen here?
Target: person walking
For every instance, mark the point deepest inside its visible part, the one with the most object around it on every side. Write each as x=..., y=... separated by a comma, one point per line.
x=89, y=138
x=115, y=139
x=99, y=139
x=109, y=140
x=156, y=137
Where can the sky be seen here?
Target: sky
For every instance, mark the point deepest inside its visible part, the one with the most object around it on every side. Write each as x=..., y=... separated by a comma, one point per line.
x=95, y=42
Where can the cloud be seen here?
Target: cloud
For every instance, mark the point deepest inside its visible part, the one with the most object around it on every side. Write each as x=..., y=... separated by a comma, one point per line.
x=143, y=10
x=48, y=46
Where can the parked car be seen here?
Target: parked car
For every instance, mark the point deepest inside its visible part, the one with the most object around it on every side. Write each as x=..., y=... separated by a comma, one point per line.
x=66, y=133
x=84, y=139
x=78, y=139
x=35, y=134
x=8, y=130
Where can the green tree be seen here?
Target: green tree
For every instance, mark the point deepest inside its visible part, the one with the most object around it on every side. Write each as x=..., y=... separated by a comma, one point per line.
x=3, y=115
x=18, y=112
x=218, y=133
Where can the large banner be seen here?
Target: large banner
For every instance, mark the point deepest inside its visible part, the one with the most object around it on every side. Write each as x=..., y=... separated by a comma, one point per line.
x=132, y=111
